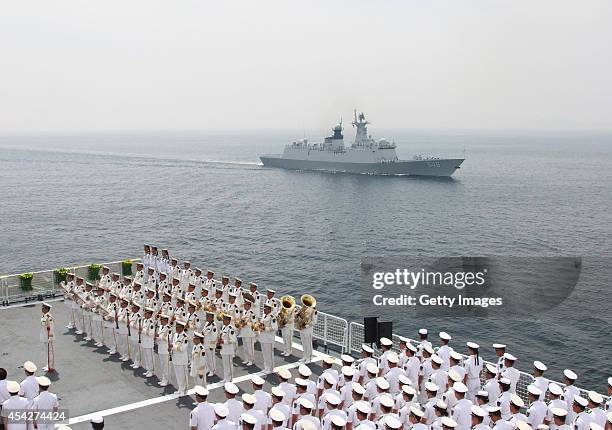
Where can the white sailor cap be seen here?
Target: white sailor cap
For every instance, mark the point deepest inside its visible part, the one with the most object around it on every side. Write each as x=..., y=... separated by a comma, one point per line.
x=238, y=280
x=423, y=331
x=543, y=427
x=532, y=389
x=454, y=375
x=187, y=262
x=367, y=348
x=252, y=284
x=332, y=399
x=445, y=336
x=448, y=422
x=304, y=370
x=499, y=346
x=472, y=345
x=392, y=422
x=176, y=279
x=233, y=294
x=415, y=410
x=408, y=390
x=516, y=401
x=305, y=403
x=429, y=350
x=382, y=383
x=404, y=380
x=610, y=381
x=329, y=378
x=221, y=410
x=363, y=407
x=411, y=347
x=491, y=368
x=493, y=409
x=180, y=322
x=559, y=412
x=393, y=358
x=149, y=309
x=403, y=339
x=164, y=316
x=12, y=387
x=270, y=290
x=257, y=380
x=301, y=382
x=510, y=357
x=30, y=367
x=328, y=359
x=160, y=273
x=284, y=373
x=482, y=393
x=230, y=388
x=97, y=419
x=166, y=293
x=594, y=426
x=478, y=411
x=200, y=390
x=581, y=401
x=505, y=381
x=455, y=355
x=386, y=341
x=348, y=371
x=338, y=421
x=43, y=381
x=372, y=368
x=440, y=404
x=347, y=358
x=555, y=389
x=249, y=399
x=358, y=388
x=570, y=374
x=430, y=386
x=46, y=305
x=522, y=425
x=248, y=418
x=595, y=397
x=436, y=359
x=278, y=392
x=460, y=387
x=387, y=401
x=540, y=366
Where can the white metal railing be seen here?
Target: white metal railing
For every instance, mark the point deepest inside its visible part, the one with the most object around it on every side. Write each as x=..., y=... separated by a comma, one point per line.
x=43, y=283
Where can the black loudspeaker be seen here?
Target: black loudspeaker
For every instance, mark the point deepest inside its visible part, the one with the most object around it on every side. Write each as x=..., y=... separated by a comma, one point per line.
x=385, y=329
x=370, y=330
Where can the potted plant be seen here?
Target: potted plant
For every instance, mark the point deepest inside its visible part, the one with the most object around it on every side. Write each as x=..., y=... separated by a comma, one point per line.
x=25, y=281
x=93, y=272
x=60, y=274
x=126, y=267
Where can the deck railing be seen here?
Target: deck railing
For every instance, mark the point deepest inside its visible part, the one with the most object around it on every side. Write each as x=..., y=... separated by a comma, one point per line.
x=332, y=331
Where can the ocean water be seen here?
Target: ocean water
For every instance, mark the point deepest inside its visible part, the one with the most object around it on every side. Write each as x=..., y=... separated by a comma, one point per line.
x=81, y=198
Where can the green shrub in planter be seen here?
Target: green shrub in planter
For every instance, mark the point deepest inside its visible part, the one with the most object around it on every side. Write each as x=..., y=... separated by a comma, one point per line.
x=60, y=274
x=93, y=272
x=126, y=267
x=25, y=281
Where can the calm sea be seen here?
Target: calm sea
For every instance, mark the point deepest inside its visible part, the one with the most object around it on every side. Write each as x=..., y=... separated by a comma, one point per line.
x=76, y=199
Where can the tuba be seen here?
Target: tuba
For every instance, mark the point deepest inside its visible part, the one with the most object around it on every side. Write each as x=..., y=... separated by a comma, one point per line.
x=304, y=316
x=287, y=306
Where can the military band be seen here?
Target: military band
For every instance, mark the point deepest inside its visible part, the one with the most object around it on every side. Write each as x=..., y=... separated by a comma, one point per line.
x=168, y=318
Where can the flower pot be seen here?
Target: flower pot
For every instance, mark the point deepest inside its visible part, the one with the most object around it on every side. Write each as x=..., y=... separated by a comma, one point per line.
x=126, y=268
x=25, y=282
x=93, y=272
x=60, y=275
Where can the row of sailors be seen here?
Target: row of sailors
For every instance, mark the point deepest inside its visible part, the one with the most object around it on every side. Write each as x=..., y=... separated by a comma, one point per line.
x=338, y=401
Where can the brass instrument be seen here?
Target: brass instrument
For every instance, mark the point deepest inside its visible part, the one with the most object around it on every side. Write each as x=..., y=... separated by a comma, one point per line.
x=287, y=306
x=258, y=326
x=220, y=315
x=303, y=317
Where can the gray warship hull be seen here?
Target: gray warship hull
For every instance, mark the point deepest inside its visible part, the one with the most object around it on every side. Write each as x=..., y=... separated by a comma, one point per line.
x=437, y=167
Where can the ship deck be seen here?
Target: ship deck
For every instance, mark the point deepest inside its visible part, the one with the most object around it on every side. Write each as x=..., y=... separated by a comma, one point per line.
x=90, y=382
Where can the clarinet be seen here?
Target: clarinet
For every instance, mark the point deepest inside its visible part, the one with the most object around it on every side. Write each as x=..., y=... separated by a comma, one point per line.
x=127, y=313
x=169, y=347
x=140, y=330
x=116, y=317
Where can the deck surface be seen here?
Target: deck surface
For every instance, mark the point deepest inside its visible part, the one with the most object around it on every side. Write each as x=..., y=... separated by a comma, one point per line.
x=89, y=381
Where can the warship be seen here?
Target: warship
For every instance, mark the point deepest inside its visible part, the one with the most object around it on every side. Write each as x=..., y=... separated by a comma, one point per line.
x=364, y=156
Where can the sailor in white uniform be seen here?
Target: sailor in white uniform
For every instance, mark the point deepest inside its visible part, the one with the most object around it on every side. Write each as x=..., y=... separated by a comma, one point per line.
x=87, y=310
x=444, y=349
x=510, y=371
x=462, y=411
x=504, y=398
x=135, y=335
x=478, y=417
x=560, y=419
x=247, y=318
x=497, y=422
x=147, y=335
x=228, y=339
x=139, y=276
x=44, y=402
x=146, y=256
x=385, y=345
x=29, y=386
x=414, y=419
x=537, y=408
x=14, y=403
x=473, y=367
x=555, y=393
x=186, y=275
x=111, y=314
x=164, y=339
x=492, y=384
x=267, y=334
x=539, y=380
x=263, y=398
x=47, y=336
x=198, y=360
x=234, y=407
x=256, y=298
x=211, y=334
x=582, y=419
x=180, y=357
x=597, y=414
x=78, y=300
x=68, y=287
x=222, y=423
x=98, y=312
x=500, y=350
x=271, y=301
x=569, y=379
x=516, y=404
x=203, y=416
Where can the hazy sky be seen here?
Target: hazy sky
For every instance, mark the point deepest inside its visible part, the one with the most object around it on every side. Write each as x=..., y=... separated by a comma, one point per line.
x=195, y=64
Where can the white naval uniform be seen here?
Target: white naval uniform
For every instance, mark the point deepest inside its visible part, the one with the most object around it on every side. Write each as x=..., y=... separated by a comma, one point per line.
x=47, y=338
x=87, y=309
x=513, y=375
x=110, y=327
x=77, y=311
x=266, y=339
x=45, y=402
x=229, y=341
x=473, y=367
x=164, y=335
x=67, y=287
x=29, y=387
x=96, y=319
x=537, y=412
x=135, y=321
x=202, y=417
x=210, y=332
x=198, y=364
x=15, y=403
x=122, y=334
x=180, y=360
x=306, y=334
x=462, y=414
x=147, y=343
x=492, y=387
x=287, y=331
x=248, y=335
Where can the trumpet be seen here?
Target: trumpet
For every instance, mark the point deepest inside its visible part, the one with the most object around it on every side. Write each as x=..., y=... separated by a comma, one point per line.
x=303, y=317
x=287, y=306
x=258, y=326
